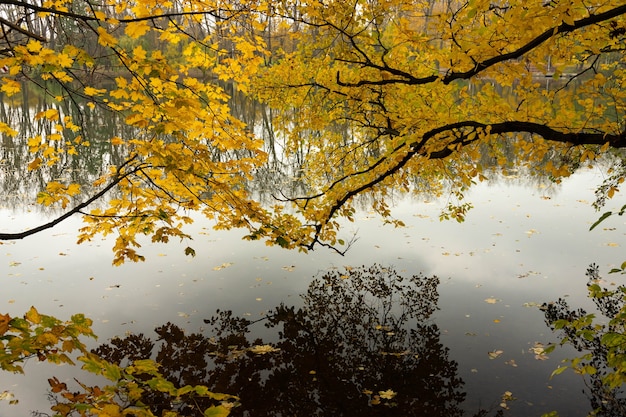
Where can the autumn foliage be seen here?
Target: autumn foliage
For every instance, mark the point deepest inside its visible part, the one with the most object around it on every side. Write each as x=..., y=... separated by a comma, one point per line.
x=365, y=98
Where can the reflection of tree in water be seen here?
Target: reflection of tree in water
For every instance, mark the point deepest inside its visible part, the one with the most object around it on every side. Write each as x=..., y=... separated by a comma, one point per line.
x=583, y=332
x=362, y=344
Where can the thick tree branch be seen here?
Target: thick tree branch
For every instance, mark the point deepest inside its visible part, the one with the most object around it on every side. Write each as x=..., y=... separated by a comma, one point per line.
x=417, y=148
x=407, y=78
x=77, y=209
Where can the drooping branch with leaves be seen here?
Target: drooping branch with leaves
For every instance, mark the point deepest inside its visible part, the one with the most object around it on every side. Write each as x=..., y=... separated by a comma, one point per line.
x=368, y=98
x=386, y=92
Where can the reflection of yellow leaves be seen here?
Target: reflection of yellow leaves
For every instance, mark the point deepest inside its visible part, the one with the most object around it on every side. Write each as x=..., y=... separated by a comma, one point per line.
x=491, y=300
x=612, y=244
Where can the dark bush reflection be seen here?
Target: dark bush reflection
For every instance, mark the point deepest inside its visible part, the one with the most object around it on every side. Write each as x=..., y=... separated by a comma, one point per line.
x=586, y=332
x=361, y=344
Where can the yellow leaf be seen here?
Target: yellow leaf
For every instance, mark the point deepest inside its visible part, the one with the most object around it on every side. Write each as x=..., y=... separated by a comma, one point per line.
x=33, y=46
x=105, y=38
x=33, y=316
x=34, y=164
x=137, y=29
x=64, y=60
x=387, y=395
x=73, y=189
x=139, y=53
x=10, y=86
x=90, y=91
x=604, y=147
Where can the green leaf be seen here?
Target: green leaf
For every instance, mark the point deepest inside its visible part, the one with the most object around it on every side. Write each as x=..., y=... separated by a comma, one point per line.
x=216, y=411
x=601, y=219
x=282, y=242
x=147, y=366
x=162, y=385
x=558, y=371
x=589, y=370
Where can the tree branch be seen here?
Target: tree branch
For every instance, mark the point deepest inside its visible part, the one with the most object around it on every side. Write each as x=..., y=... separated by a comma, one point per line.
x=480, y=66
x=75, y=210
x=417, y=148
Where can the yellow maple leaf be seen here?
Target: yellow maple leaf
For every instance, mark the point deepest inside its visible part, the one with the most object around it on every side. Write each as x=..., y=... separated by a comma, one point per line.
x=33, y=316
x=10, y=87
x=33, y=46
x=105, y=38
x=64, y=60
x=137, y=29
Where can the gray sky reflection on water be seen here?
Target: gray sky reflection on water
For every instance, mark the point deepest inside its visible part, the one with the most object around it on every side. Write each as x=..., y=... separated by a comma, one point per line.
x=520, y=246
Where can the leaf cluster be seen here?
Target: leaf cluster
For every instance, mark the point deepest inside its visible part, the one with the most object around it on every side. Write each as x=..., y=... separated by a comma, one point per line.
x=600, y=339
x=49, y=339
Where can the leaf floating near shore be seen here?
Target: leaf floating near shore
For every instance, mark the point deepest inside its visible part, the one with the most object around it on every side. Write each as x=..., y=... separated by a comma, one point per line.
x=494, y=354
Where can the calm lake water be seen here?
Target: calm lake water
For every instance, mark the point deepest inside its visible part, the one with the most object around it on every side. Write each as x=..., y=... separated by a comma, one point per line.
x=520, y=246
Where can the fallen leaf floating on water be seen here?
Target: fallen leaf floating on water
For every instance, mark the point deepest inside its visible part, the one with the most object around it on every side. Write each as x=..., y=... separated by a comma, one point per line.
x=263, y=349
x=494, y=354
x=540, y=352
x=222, y=266
x=531, y=304
x=491, y=300
x=289, y=268
x=612, y=244
x=507, y=396
x=531, y=232
x=511, y=363
x=387, y=395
